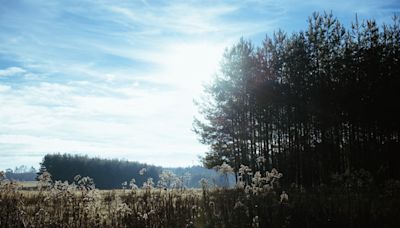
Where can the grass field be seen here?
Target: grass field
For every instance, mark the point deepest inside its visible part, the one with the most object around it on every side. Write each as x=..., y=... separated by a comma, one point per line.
x=259, y=203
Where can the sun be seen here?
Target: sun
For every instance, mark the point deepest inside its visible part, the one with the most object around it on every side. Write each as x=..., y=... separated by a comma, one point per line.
x=190, y=65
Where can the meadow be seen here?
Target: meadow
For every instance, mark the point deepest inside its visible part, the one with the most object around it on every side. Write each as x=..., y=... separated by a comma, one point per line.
x=257, y=200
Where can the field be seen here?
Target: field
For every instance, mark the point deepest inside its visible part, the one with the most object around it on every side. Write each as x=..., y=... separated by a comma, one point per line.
x=262, y=203
x=28, y=185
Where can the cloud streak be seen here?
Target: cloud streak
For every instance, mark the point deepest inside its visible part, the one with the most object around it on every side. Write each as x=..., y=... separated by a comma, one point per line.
x=11, y=71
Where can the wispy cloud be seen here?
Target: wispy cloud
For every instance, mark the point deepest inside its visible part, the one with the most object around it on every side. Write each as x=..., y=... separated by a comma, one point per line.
x=130, y=123
x=11, y=71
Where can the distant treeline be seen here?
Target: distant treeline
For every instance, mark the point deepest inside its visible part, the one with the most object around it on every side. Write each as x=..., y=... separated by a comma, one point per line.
x=196, y=173
x=314, y=103
x=107, y=174
x=21, y=176
x=21, y=173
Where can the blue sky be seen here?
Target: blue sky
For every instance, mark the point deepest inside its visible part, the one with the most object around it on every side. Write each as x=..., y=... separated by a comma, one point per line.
x=117, y=79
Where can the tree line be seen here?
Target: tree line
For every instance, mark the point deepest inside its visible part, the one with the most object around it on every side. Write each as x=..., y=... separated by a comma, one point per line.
x=106, y=174
x=312, y=104
x=21, y=173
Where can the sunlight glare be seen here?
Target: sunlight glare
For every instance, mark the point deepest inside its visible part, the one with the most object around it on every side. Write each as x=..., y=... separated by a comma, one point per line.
x=192, y=65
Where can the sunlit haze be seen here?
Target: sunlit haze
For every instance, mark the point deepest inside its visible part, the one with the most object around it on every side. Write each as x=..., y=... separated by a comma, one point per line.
x=117, y=79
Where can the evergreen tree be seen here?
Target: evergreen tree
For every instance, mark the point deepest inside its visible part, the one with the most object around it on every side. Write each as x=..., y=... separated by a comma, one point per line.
x=311, y=104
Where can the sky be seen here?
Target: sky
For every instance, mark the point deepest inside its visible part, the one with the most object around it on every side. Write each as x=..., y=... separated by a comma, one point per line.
x=117, y=79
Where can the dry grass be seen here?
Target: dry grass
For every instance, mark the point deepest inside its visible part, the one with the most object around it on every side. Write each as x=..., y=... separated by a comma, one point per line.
x=257, y=202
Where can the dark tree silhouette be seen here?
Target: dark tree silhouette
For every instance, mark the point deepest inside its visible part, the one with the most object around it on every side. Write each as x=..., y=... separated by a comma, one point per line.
x=312, y=104
x=107, y=174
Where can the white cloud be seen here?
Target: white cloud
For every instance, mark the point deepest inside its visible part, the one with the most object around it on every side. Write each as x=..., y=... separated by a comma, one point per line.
x=149, y=126
x=10, y=71
x=4, y=88
x=181, y=17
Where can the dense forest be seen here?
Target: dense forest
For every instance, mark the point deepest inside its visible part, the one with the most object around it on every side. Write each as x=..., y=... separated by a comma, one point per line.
x=192, y=175
x=106, y=174
x=313, y=104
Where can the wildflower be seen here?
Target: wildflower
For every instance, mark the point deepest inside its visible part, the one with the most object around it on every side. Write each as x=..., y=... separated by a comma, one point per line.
x=257, y=178
x=260, y=160
x=24, y=218
x=240, y=185
x=132, y=184
x=124, y=185
x=2, y=175
x=123, y=209
x=86, y=183
x=225, y=168
x=284, y=197
x=275, y=174
x=247, y=189
x=178, y=183
x=151, y=212
x=60, y=186
x=267, y=177
x=77, y=178
x=45, y=177
x=44, y=180
x=255, y=222
x=243, y=170
x=142, y=171
x=149, y=184
x=168, y=179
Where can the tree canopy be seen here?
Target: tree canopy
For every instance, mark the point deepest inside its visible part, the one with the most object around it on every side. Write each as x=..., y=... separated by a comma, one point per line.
x=107, y=174
x=312, y=104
